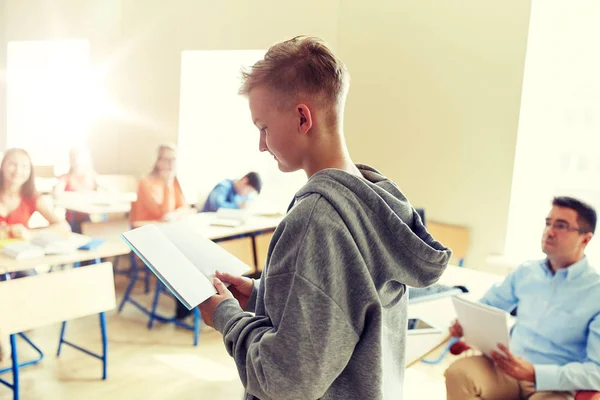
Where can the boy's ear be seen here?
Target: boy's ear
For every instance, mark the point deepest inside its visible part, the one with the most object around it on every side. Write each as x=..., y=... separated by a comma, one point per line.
x=304, y=117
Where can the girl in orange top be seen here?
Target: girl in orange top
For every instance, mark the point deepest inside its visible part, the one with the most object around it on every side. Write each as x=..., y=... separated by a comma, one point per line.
x=159, y=195
x=19, y=199
x=80, y=178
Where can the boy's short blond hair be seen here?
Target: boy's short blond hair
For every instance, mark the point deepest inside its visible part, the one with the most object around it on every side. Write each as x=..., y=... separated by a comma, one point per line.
x=300, y=66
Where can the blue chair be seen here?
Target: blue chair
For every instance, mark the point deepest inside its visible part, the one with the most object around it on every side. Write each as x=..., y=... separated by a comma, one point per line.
x=133, y=277
x=154, y=316
x=15, y=366
x=152, y=313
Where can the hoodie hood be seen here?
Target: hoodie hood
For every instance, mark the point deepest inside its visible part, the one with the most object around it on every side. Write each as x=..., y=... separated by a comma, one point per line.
x=397, y=249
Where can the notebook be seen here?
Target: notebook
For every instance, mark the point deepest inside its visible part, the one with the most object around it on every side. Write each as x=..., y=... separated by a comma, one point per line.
x=230, y=217
x=183, y=259
x=483, y=326
x=54, y=243
x=23, y=251
x=45, y=243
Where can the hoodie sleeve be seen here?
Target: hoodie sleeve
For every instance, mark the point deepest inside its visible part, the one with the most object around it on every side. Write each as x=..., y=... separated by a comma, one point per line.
x=306, y=340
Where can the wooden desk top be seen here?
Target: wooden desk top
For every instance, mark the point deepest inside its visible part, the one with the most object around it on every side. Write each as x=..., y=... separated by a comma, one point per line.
x=111, y=248
x=203, y=222
x=96, y=202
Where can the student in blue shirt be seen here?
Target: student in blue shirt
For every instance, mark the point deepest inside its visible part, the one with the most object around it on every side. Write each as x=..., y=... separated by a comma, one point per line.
x=555, y=342
x=227, y=194
x=233, y=193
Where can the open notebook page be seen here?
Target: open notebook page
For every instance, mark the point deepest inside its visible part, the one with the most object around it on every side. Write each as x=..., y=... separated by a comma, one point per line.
x=206, y=255
x=170, y=265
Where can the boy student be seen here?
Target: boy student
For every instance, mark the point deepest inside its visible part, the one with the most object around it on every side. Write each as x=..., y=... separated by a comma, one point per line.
x=233, y=193
x=330, y=313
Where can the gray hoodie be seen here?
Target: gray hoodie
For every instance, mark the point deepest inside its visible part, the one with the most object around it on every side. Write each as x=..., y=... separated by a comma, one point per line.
x=331, y=309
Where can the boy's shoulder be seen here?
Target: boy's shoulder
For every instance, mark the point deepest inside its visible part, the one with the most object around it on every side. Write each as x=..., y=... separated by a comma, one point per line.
x=312, y=208
x=310, y=223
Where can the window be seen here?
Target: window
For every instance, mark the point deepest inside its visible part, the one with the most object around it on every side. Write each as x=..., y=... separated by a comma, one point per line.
x=558, y=144
x=217, y=139
x=51, y=100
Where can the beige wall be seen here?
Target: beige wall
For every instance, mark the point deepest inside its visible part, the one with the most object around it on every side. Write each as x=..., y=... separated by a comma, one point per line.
x=140, y=44
x=433, y=104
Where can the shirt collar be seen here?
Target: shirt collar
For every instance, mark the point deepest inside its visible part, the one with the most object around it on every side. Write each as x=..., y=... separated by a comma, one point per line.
x=571, y=272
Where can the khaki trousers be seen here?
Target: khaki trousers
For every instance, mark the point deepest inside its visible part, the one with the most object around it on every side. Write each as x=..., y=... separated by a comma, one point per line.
x=476, y=377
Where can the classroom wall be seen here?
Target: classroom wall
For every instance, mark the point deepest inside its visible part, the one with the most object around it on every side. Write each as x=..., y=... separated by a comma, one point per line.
x=434, y=97
x=139, y=42
x=434, y=104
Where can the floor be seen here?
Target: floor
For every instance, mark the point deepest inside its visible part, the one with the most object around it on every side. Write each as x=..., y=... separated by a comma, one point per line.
x=158, y=364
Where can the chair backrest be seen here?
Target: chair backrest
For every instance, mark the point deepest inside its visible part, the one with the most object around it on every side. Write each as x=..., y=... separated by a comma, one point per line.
x=454, y=236
x=44, y=171
x=45, y=299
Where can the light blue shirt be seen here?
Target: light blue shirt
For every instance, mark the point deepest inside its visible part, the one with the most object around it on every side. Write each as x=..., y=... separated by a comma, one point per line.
x=558, y=322
x=223, y=196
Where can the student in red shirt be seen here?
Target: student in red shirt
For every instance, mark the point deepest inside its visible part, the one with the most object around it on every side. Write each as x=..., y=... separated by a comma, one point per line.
x=19, y=200
x=80, y=178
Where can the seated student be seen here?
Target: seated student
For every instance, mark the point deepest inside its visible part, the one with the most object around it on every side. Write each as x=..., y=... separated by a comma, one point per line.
x=159, y=195
x=19, y=200
x=80, y=178
x=233, y=193
x=160, y=198
x=555, y=343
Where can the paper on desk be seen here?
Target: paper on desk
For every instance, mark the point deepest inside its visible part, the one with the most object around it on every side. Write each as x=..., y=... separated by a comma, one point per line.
x=483, y=326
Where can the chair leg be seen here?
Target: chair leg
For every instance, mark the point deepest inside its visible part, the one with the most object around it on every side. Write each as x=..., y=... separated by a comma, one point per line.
x=15, y=366
x=132, y=280
x=147, y=281
x=154, y=304
x=196, y=326
x=104, y=345
x=62, y=335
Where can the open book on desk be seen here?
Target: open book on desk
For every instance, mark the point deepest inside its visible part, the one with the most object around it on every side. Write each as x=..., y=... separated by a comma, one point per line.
x=230, y=217
x=183, y=259
x=45, y=243
x=55, y=243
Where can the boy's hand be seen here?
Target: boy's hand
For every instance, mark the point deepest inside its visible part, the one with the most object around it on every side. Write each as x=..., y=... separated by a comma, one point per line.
x=207, y=308
x=240, y=287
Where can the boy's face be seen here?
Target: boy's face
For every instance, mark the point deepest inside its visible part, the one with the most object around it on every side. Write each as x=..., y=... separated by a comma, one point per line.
x=278, y=129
